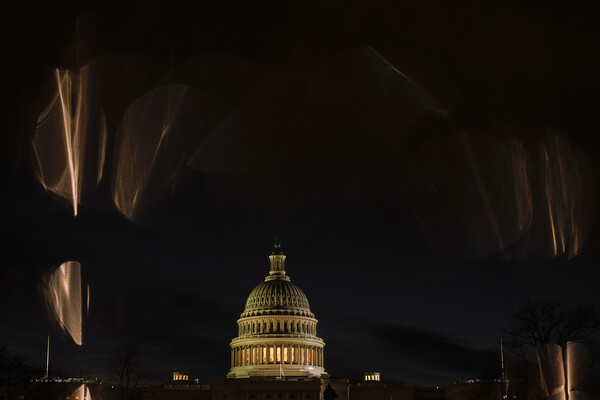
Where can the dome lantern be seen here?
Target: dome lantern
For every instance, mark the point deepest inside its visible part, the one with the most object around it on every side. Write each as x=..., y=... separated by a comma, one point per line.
x=277, y=261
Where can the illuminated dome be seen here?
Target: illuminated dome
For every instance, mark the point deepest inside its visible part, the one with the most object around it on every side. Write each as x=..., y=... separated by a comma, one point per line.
x=277, y=333
x=277, y=294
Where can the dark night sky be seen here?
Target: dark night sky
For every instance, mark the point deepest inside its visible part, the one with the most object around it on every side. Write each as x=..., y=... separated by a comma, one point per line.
x=394, y=191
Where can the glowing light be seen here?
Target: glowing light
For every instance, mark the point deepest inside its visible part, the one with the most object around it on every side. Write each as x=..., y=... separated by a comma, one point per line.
x=152, y=141
x=82, y=393
x=88, y=299
x=522, y=186
x=472, y=192
x=69, y=142
x=563, y=372
x=577, y=358
x=552, y=375
x=62, y=292
x=565, y=180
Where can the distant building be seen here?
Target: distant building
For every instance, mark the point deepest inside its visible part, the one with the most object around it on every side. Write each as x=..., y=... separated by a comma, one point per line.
x=277, y=355
x=479, y=389
x=277, y=332
x=379, y=391
x=179, y=376
x=372, y=377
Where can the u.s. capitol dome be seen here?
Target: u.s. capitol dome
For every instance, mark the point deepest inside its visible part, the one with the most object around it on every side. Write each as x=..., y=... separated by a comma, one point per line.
x=277, y=332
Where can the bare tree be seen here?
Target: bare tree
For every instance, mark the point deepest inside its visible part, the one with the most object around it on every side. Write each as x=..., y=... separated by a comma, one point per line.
x=16, y=379
x=126, y=368
x=538, y=323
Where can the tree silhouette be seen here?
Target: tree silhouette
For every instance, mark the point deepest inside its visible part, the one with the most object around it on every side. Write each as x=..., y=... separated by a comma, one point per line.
x=127, y=370
x=537, y=323
x=538, y=330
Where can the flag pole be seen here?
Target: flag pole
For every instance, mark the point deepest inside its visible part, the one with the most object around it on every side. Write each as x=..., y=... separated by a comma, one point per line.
x=47, y=356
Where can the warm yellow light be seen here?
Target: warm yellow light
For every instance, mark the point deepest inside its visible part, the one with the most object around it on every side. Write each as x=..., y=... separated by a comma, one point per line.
x=62, y=291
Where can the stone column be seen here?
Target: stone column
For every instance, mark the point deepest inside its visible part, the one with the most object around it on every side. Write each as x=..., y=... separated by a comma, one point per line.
x=322, y=358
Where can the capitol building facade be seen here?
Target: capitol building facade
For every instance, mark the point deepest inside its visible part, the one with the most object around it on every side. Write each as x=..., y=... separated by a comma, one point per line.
x=277, y=332
x=277, y=355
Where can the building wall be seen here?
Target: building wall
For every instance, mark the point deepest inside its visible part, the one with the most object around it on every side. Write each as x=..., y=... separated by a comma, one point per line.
x=430, y=394
x=381, y=392
x=274, y=389
x=270, y=388
x=475, y=390
x=176, y=392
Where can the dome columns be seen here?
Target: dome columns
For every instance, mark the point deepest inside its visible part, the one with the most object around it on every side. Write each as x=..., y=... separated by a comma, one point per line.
x=275, y=354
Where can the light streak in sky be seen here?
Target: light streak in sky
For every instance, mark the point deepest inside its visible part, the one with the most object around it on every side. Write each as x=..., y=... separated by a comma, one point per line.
x=69, y=142
x=522, y=186
x=62, y=292
x=151, y=147
x=472, y=193
x=477, y=192
x=483, y=193
x=565, y=180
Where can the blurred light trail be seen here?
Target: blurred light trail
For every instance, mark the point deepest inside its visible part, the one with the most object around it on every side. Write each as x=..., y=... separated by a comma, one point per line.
x=471, y=192
x=578, y=361
x=69, y=141
x=551, y=372
x=522, y=186
x=152, y=143
x=81, y=393
x=563, y=371
x=62, y=292
x=565, y=180
x=483, y=194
